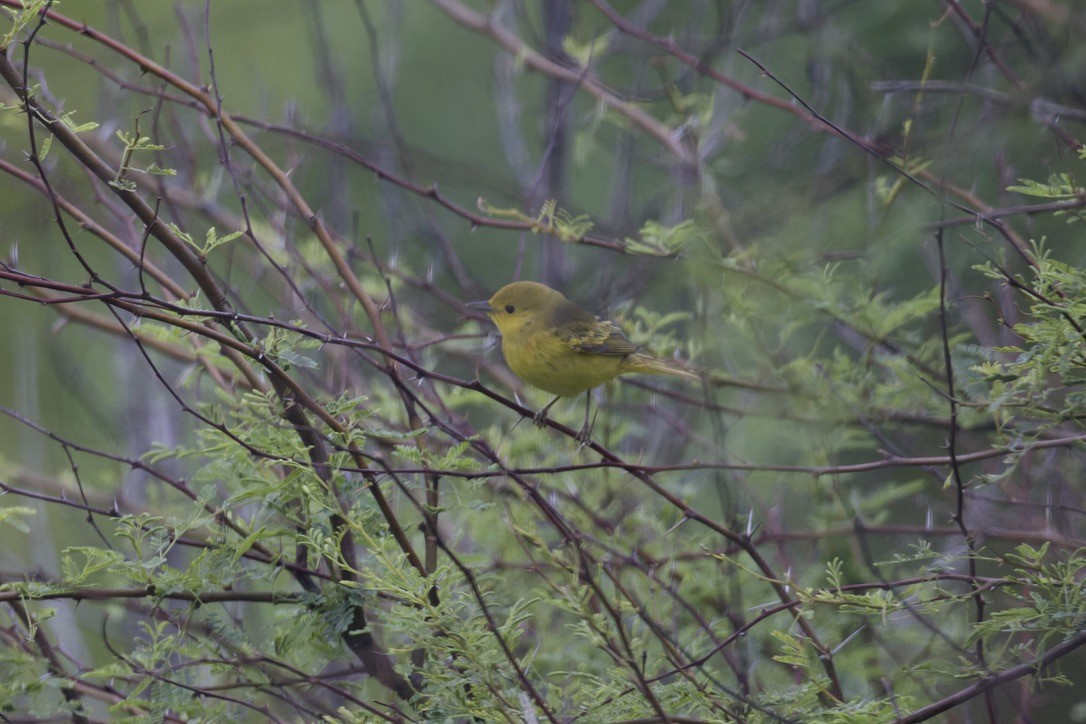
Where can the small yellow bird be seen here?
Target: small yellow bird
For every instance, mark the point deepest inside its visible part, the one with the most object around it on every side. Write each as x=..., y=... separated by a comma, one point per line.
x=552, y=344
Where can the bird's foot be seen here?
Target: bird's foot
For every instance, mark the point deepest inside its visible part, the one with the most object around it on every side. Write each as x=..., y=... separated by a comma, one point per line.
x=584, y=436
x=541, y=416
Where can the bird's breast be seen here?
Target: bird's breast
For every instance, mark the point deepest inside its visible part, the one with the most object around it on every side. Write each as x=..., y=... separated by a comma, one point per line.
x=550, y=363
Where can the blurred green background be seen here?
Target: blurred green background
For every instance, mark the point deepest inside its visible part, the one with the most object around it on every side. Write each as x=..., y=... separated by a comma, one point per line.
x=799, y=247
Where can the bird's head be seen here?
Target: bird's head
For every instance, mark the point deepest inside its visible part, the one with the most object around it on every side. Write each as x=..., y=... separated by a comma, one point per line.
x=520, y=304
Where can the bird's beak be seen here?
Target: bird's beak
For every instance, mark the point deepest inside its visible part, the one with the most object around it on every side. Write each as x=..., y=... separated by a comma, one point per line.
x=481, y=306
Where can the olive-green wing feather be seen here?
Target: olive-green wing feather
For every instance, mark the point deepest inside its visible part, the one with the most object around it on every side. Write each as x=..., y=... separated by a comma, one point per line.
x=589, y=334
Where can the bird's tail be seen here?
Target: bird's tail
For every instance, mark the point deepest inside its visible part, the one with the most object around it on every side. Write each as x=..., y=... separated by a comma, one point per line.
x=647, y=364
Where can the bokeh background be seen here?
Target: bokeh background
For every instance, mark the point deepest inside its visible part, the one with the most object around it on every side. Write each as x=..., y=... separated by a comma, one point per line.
x=823, y=206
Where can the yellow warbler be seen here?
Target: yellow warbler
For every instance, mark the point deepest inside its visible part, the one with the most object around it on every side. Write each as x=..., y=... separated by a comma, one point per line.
x=552, y=344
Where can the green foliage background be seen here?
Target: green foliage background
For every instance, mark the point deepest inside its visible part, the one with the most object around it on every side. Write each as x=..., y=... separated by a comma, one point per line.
x=872, y=510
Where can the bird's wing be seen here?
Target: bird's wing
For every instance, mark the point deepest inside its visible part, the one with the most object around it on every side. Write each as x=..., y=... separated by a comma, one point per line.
x=587, y=333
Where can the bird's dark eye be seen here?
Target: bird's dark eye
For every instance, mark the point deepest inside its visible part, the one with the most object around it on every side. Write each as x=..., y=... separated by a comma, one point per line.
x=509, y=309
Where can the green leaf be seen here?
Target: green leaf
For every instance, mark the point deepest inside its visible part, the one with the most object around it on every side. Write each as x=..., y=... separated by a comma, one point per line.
x=13, y=515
